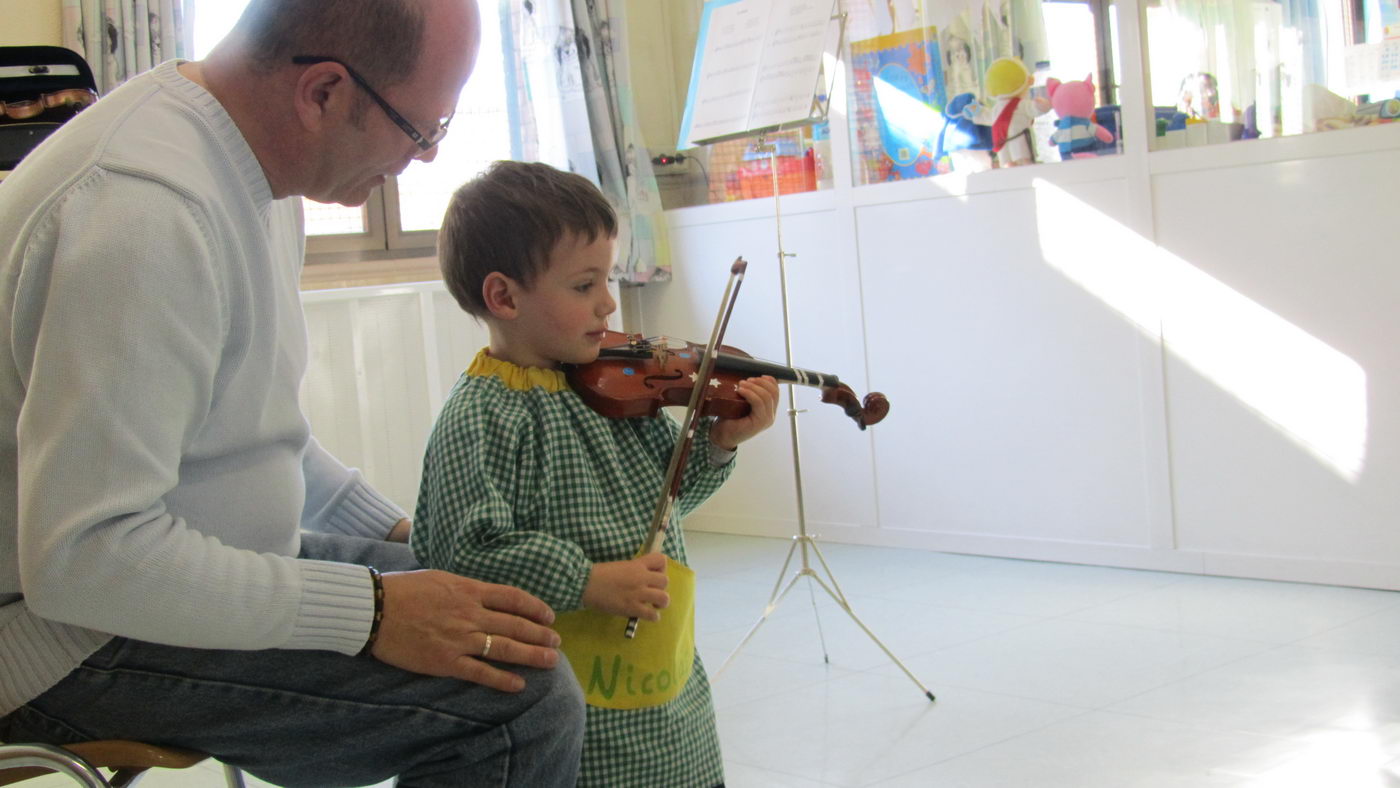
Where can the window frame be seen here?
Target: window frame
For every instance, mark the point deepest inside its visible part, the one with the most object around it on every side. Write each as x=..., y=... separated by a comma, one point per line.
x=371, y=240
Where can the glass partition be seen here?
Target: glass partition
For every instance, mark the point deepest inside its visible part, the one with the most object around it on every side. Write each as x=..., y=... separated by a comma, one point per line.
x=965, y=86
x=740, y=170
x=934, y=87
x=1228, y=70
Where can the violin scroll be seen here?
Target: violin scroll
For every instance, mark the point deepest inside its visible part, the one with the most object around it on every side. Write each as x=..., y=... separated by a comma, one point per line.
x=871, y=410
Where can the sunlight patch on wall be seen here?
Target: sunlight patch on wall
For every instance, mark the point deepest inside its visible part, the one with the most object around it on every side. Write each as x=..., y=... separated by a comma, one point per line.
x=1310, y=392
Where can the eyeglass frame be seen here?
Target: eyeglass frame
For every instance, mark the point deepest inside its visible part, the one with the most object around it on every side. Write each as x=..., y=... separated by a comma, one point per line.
x=423, y=141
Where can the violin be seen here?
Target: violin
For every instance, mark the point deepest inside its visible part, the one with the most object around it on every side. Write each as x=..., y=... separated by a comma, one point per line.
x=635, y=377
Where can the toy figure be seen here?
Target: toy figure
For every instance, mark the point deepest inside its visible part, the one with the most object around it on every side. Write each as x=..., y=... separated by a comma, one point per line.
x=962, y=145
x=1075, y=131
x=957, y=65
x=1011, y=112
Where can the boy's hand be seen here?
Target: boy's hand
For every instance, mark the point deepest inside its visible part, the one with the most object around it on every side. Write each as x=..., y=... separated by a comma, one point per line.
x=762, y=396
x=400, y=532
x=631, y=589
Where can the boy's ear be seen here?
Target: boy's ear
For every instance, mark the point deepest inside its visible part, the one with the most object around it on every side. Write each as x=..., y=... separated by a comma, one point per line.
x=498, y=293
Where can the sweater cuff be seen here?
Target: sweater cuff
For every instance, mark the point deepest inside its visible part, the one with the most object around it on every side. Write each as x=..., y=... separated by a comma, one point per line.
x=721, y=457
x=363, y=512
x=337, y=608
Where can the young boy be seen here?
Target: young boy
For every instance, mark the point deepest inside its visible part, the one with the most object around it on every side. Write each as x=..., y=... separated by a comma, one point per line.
x=524, y=483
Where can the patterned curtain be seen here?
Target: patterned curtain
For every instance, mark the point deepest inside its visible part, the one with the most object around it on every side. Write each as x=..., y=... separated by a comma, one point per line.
x=574, y=106
x=121, y=38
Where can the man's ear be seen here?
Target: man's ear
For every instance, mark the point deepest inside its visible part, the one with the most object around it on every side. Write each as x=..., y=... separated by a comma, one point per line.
x=321, y=92
x=498, y=293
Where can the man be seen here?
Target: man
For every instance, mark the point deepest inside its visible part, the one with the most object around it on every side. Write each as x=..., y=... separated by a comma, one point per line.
x=155, y=468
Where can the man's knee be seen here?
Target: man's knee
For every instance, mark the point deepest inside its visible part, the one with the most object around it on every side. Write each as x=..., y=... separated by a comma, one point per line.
x=553, y=724
x=559, y=692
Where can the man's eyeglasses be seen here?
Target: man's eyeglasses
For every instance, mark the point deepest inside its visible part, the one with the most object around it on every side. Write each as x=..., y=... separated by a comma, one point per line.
x=425, y=141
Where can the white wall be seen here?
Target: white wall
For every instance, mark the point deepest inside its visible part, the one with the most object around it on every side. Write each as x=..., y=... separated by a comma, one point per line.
x=1285, y=441
x=382, y=359
x=1178, y=360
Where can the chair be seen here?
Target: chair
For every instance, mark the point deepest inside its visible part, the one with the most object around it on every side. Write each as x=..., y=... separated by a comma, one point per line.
x=127, y=760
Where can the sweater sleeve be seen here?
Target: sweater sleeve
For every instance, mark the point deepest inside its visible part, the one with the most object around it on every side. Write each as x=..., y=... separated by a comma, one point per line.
x=119, y=334
x=483, y=494
x=339, y=500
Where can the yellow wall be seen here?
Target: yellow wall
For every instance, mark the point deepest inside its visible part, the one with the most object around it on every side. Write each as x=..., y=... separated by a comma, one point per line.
x=30, y=22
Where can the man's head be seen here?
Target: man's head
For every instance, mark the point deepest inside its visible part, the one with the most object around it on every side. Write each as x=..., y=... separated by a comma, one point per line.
x=381, y=37
x=510, y=220
x=326, y=93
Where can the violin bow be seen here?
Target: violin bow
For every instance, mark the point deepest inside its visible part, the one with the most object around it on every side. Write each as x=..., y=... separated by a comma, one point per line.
x=671, y=485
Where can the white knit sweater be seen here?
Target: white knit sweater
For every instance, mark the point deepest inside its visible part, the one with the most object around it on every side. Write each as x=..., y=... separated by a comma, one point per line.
x=154, y=462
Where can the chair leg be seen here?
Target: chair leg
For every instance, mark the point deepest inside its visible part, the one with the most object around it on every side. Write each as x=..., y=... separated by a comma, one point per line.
x=125, y=778
x=233, y=776
x=57, y=759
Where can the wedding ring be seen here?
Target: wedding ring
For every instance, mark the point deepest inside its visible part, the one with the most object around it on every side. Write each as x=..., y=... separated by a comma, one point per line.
x=486, y=649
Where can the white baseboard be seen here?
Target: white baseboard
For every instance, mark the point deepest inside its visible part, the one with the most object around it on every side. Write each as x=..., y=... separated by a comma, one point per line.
x=1286, y=568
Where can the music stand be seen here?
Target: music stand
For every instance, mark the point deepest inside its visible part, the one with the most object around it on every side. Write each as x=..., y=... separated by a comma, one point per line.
x=802, y=542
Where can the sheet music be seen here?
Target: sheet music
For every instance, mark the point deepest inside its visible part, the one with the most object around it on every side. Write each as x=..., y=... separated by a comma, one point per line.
x=756, y=65
x=792, y=59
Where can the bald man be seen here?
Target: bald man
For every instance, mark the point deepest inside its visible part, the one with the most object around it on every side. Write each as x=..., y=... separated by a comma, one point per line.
x=180, y=561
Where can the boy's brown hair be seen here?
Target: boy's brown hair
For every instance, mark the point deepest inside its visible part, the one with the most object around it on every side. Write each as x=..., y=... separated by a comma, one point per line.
x=509, y=219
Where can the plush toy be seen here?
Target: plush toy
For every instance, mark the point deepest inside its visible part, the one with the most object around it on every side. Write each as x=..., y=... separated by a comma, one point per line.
x=1075, y=131
x=962, y=145
x=1011, y=111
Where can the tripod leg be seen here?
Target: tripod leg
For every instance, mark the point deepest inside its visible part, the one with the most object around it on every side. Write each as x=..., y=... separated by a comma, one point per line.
x=777, y=584
x=772, y=605
x=817, y=616
x=846, y=606
x=840, y=595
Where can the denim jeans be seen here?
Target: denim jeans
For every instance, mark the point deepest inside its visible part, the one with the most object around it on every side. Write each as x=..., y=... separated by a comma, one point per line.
x=318, y=718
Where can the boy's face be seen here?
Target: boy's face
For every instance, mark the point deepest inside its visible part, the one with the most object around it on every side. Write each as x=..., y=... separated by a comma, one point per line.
x=564, y=313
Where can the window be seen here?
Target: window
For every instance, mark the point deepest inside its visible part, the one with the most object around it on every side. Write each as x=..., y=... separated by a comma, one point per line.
x=406, y=211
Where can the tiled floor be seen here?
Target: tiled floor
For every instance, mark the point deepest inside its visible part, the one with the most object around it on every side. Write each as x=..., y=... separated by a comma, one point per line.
x=1047, y=676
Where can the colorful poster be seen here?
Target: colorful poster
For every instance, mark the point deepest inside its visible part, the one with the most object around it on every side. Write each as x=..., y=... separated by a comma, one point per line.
x=899, y=96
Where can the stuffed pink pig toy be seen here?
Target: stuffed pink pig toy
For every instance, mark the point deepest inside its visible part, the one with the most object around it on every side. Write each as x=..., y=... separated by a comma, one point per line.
x=1075, y=131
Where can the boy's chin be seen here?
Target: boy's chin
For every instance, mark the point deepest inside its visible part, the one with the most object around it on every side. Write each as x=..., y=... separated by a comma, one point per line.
x=581, y=357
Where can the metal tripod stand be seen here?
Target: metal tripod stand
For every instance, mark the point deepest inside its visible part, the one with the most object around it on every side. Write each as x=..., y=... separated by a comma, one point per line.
x=802, y=542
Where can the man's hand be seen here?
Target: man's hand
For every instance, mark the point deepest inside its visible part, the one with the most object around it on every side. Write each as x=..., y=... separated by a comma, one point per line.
x=438, y=623
x=762, y=395
x=631, y=589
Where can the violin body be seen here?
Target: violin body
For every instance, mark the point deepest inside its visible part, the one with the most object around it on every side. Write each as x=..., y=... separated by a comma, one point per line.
x=67, y=102
x=635, y=377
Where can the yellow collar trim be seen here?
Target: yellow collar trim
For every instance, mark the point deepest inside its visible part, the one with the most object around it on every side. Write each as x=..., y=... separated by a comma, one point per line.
x=515, y=377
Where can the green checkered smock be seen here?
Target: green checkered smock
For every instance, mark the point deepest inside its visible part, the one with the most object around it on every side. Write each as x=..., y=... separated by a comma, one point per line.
x=526, y=485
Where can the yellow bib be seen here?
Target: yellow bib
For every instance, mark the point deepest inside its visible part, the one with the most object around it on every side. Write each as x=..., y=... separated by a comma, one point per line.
x=647, y=670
